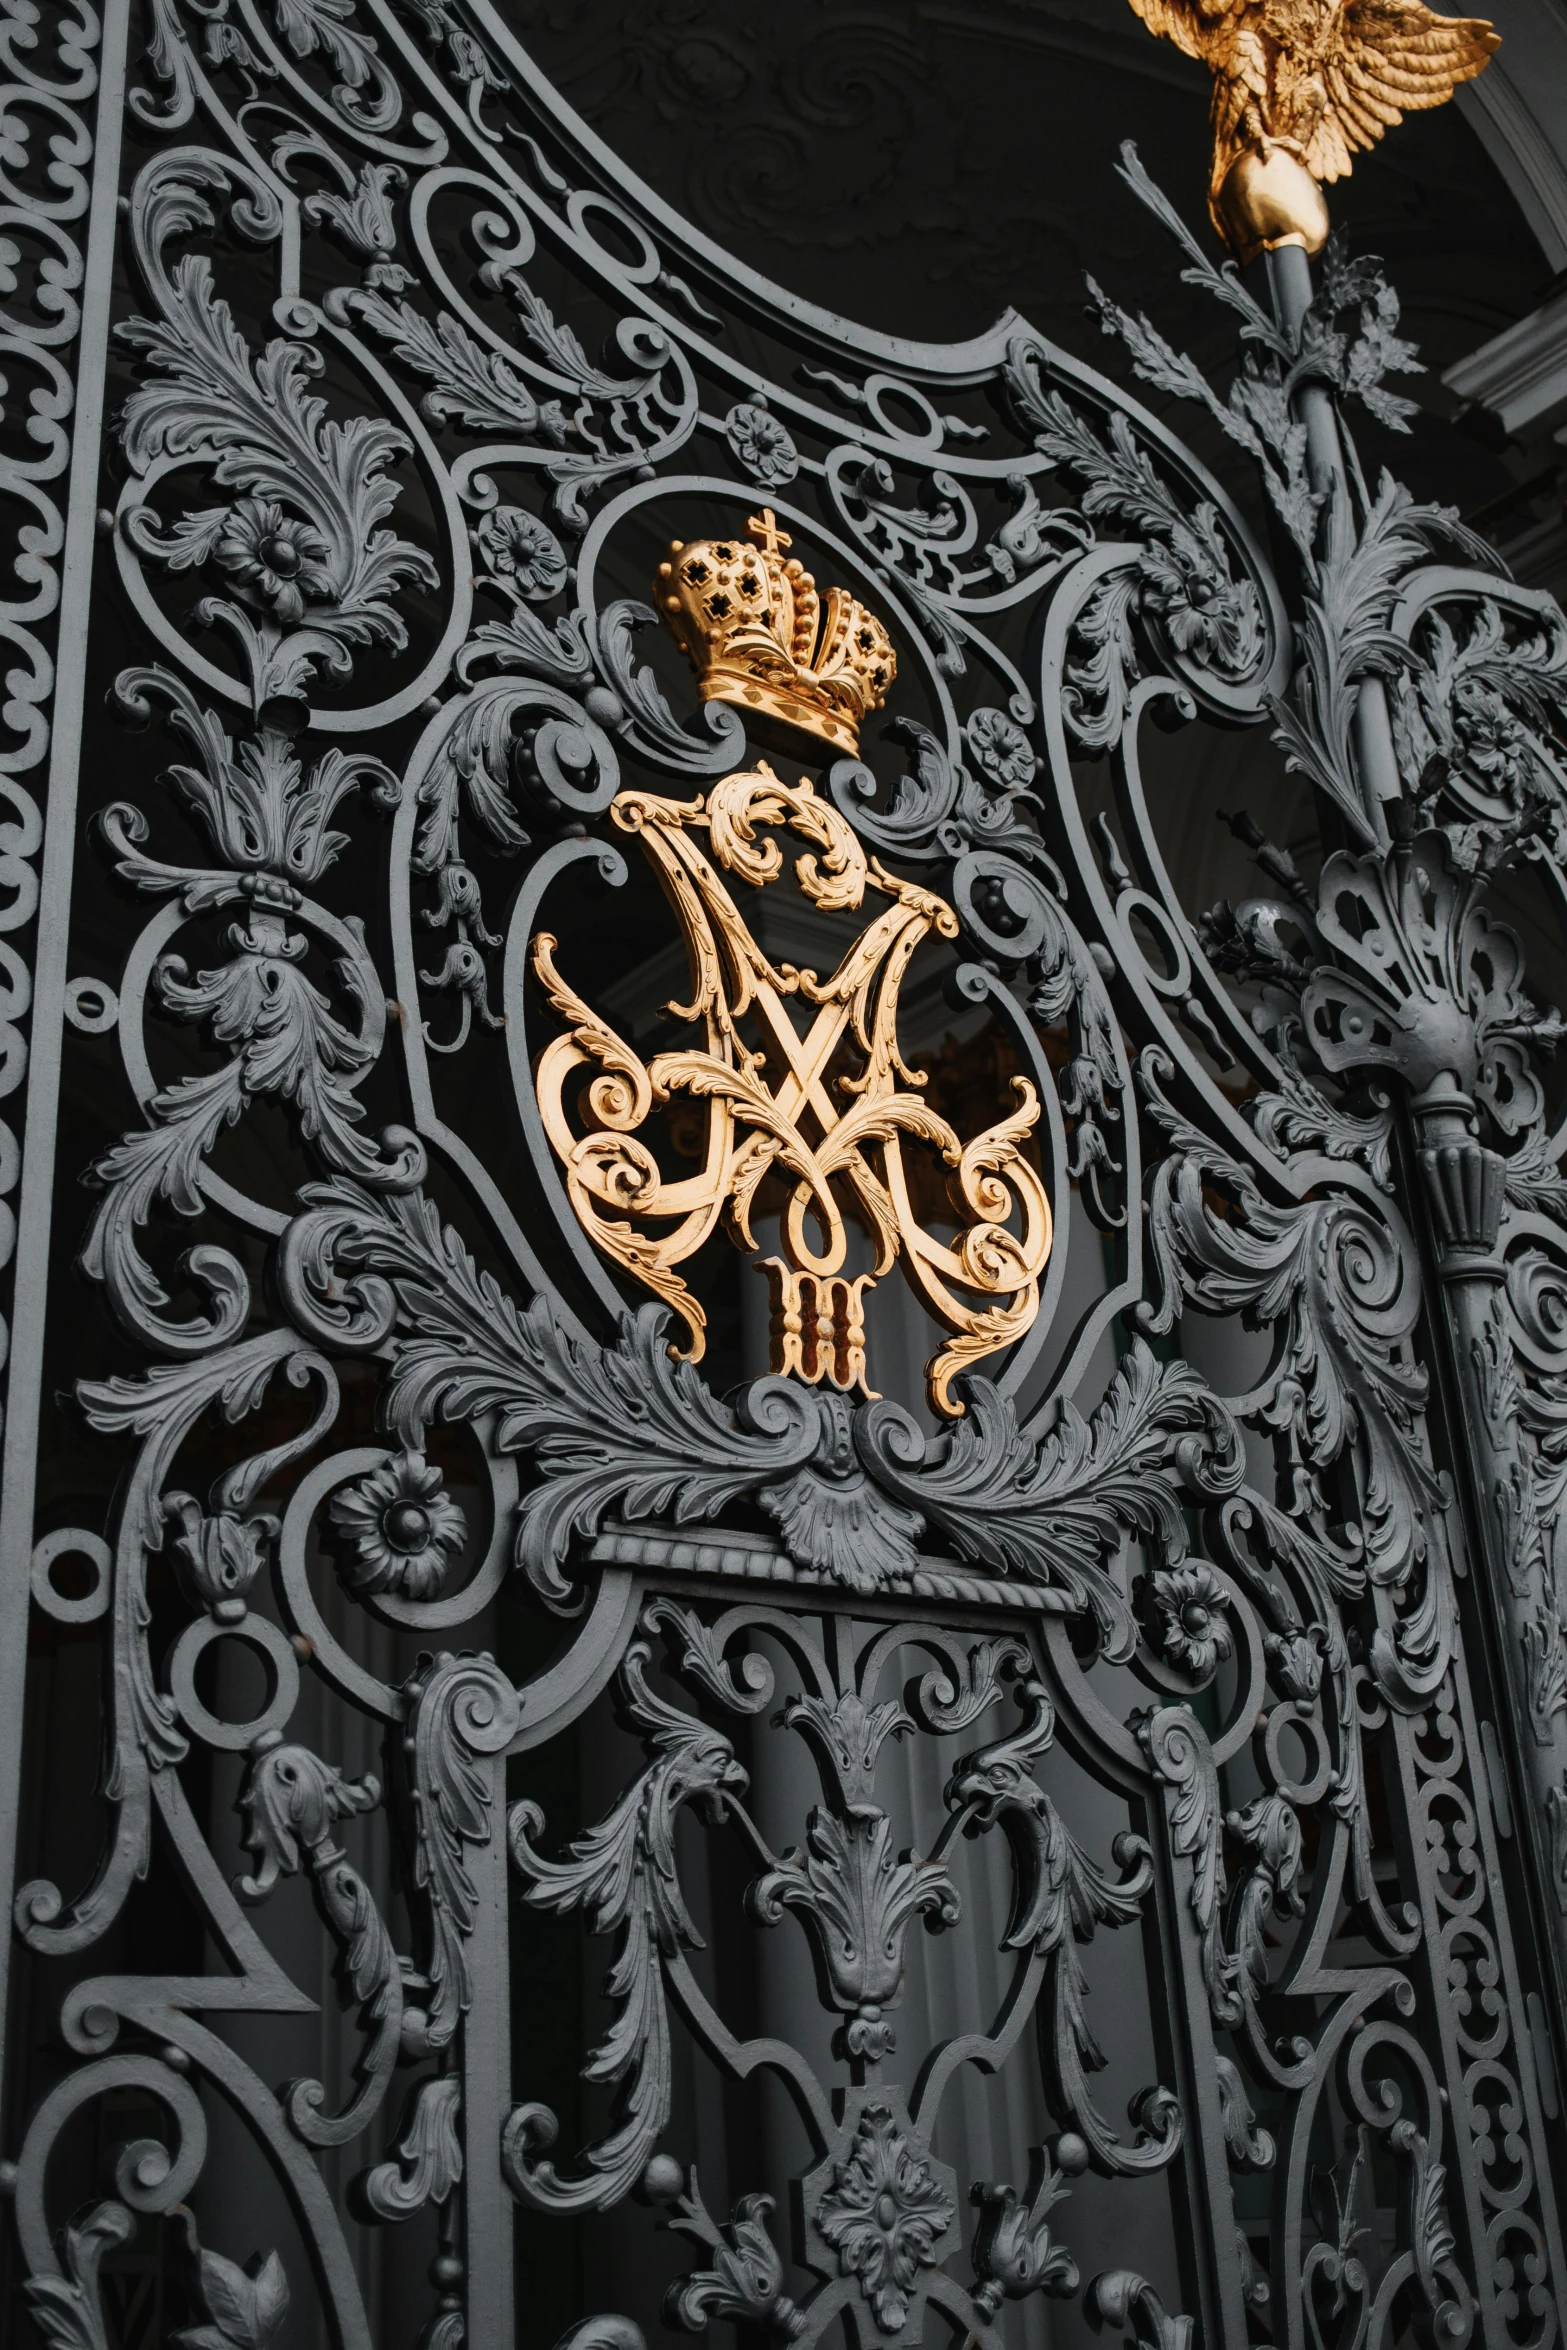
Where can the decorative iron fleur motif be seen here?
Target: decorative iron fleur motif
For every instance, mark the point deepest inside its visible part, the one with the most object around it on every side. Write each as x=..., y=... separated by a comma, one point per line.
x=885, y=2214
x=523, y=553
x=745, y=2279
x=276, y=561
x=266, y=813
x=219, y=1556
x=364, y=220
x=1434, y=987
x=1013, y=2252
x=1184, y=1610
x=856, y=1897
x=400, y=1529
x=764, y=446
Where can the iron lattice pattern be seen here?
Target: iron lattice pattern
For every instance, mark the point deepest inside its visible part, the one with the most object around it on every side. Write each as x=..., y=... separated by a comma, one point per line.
x=1083, y=1846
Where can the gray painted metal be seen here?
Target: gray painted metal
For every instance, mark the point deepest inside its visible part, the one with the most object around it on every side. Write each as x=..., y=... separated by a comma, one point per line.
x=1264, y=1690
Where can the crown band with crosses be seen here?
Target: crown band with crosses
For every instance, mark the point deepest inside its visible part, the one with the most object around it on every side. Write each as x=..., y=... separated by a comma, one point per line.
x=755, y=631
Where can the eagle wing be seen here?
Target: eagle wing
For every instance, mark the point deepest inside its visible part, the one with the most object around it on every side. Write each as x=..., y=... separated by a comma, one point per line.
x=1384, y=59
x=1227, y=37
x=1200, y=27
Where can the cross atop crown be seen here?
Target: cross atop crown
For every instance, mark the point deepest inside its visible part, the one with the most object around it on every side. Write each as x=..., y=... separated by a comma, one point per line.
x=764, y=530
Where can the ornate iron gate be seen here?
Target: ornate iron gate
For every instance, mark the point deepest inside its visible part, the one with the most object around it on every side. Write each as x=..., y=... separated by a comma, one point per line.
x=598, y=868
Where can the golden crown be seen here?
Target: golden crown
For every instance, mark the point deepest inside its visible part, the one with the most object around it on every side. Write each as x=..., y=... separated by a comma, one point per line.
x=755, y=631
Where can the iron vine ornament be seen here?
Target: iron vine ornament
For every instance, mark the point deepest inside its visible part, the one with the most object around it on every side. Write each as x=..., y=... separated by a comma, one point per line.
x=412, y=1226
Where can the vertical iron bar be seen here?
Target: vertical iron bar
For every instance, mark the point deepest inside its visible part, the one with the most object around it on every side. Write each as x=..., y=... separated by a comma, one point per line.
x=487, y=2204
x=1200, y=2179
x=1289, y=275
x=18, y=1478
x=1459, y=1210
x=1463, y=1187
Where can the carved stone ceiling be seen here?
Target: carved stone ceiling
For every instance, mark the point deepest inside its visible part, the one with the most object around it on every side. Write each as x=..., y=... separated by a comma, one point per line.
x=919, y=165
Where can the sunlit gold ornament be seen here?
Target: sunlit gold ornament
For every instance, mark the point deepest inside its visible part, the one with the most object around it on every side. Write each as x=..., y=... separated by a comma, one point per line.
x=756, y=633
x=1298, y=85
x=813, y=1130
x=816, y=1326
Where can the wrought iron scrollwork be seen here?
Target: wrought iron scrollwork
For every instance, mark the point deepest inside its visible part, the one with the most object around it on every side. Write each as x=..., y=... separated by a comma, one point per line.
x=1189, y=1662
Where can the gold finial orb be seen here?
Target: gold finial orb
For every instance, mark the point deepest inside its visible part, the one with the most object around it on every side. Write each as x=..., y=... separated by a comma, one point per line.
x=1299, y=86
x=1267, y=199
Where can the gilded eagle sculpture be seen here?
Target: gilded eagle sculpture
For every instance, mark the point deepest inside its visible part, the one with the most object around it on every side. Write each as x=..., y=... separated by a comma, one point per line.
x=1298, y=86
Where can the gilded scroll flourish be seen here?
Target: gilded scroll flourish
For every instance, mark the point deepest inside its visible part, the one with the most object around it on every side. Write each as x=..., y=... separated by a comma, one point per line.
x=776, y=1108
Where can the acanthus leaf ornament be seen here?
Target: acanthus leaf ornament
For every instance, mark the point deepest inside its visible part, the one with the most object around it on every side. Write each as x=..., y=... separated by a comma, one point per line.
x=461, y=1711
x=308, y=570
x=1013, y=2252
x=428, y=2163
x=67, y=2308
x=623, y=1876
x=745, y=2280
x=1119, y=2296
x=886, y=2212
x=1434, y=986
x=822, y=1126
x=852, y=1490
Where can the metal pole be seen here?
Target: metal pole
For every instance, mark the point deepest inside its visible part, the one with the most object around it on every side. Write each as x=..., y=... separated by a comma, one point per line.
x=1462, y=1197
x=40, y=1117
